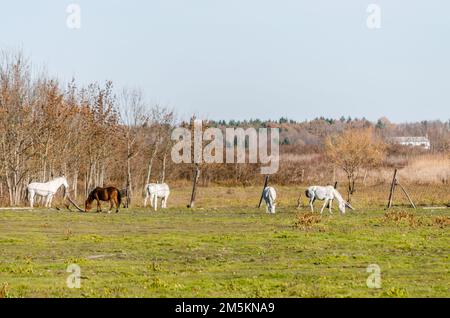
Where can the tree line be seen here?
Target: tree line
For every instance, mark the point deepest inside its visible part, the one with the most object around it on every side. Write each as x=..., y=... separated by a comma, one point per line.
x=97, y=135
x=90, y=134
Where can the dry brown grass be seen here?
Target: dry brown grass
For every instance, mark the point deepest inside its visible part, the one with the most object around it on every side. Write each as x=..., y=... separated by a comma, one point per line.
x=402, y=217
x=427, y=169
x=306, y=221
x=441, y=221
x=4, y=290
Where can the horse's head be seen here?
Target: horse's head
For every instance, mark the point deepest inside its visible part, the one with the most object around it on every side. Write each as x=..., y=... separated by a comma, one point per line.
x=87, y=205
x=272, y=208
x=342, y=206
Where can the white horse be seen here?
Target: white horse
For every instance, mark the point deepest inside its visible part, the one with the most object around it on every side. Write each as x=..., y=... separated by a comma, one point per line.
x=155, y=191
x=46, y=190
x=270, y=195
x=327, y=194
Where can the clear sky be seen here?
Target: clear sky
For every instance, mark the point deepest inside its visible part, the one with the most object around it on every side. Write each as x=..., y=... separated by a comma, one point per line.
x=243, y=59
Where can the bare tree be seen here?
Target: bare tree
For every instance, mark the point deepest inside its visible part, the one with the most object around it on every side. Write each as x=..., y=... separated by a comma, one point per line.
x=160, y=128
x=134, y=114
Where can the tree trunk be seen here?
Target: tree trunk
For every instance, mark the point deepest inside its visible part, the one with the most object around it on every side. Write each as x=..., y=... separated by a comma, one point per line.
x=194, y=186
x=75, y=184
x=150, y=164
x=163, y=173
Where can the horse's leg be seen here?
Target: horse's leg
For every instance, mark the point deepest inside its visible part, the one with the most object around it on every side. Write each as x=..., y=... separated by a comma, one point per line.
x=165, y=201
x=324, y=205
x=99, y=207
x=50, y=199
x=118, y=205
x=145, y=199
x=31, y=198
x=111, y=205
x=155, y=202
x=311, y=204
x=330, y=205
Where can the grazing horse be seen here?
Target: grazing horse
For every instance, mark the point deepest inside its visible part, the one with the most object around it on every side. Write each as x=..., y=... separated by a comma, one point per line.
x=327, y=194
x=47, y=190
x=110, y=194
x=270, y=195
x=155, y=191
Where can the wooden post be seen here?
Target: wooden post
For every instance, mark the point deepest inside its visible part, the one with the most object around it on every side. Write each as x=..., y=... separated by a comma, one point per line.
x=266, y=182
x=194, y=186
x=71, y=201
x=407, y=195
x=391, y=192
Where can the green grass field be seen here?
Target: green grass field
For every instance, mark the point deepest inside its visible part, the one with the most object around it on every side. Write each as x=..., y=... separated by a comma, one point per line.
x=236, y=251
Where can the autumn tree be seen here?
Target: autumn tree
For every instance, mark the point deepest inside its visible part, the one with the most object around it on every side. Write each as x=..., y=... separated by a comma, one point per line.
x=17, y=125
x=353, y=150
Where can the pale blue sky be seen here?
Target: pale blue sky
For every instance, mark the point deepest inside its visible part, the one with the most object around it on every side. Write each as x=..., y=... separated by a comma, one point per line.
x=242, y=59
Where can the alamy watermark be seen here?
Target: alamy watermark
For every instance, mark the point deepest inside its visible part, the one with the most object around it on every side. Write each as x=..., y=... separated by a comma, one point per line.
x=374, y=18
x=73, y=20
x=374, y=279
x=238, y=143
x=74, y=279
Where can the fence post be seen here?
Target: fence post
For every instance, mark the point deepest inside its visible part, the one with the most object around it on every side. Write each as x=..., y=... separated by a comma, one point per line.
x=194, y=186
x=391, y=192
x=266, y=182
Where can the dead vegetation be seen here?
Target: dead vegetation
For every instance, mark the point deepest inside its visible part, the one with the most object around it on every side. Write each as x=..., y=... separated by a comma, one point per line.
x=402, y=217
x=4, y=290
x=441, y=221
x=408, y=218
x=307, y=221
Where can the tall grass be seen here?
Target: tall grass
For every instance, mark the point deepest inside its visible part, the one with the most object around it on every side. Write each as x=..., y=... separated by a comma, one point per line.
x=427, y=169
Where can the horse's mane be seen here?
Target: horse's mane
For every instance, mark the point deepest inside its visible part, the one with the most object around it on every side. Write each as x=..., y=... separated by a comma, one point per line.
x=338, y=196
x=91, y=195
x=58, y=178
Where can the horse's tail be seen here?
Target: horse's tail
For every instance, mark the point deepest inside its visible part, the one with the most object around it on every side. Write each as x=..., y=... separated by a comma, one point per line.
x=307, y=193
x=119, y=198
x=26, y=194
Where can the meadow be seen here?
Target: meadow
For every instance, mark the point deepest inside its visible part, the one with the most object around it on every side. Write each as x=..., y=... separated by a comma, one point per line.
x=226, y=247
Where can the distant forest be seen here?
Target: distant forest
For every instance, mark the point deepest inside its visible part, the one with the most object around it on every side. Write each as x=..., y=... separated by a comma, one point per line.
x=308, y=135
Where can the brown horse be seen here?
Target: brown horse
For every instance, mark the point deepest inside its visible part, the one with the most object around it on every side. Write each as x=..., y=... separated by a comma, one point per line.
x=110, y=194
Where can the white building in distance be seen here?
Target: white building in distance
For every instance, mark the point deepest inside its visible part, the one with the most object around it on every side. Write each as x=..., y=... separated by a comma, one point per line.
x=413, y=141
